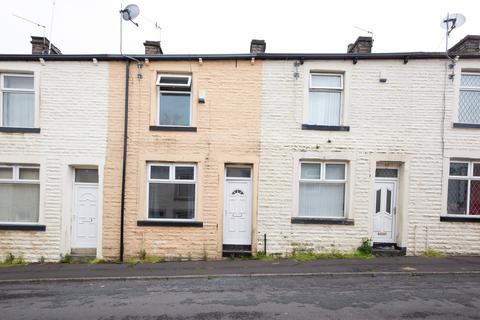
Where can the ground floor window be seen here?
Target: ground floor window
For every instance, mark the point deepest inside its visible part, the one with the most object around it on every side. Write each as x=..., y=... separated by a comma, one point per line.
x=171, y=191
x=322, y=189
x=464, y=188
x=19, y=193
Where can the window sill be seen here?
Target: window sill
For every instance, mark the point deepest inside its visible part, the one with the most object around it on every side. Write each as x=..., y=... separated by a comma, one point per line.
x=460, y=219
x=22, y=226
x=169, y=223
x=466, y=125
x=18, y=129
x=324, y=128
x=300, y=220
x=167, y=128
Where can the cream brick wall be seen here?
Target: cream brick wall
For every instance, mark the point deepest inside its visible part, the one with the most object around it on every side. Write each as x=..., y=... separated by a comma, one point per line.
x=73, y=101
x=400, y=120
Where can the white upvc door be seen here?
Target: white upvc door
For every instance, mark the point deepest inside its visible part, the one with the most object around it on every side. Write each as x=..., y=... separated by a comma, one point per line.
x=85, y=215
x=384, y=213
x=237, y=223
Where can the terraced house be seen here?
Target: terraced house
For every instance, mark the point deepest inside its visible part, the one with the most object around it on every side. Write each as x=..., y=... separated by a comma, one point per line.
x=195, y=156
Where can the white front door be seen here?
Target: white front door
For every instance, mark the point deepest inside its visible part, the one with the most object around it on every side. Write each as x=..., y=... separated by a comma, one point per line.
x=385, y=207
x=85, y=215
x=237, y=223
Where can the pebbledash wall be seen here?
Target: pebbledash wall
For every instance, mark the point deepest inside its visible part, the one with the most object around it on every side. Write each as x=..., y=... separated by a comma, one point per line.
x=399, y=122
x=71, y=112
x=227, y=132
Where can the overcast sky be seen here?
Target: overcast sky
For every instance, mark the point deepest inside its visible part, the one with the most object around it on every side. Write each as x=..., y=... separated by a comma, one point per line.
x=216, y=26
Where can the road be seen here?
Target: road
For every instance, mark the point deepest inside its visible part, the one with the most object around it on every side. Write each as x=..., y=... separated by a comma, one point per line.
x=278, y=297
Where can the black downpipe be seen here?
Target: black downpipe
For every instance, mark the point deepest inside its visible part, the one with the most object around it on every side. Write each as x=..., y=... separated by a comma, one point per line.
x=124, y=161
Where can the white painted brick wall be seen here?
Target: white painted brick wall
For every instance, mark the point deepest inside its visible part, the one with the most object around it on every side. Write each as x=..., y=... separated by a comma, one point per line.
x=402, y=117
x=73, y=122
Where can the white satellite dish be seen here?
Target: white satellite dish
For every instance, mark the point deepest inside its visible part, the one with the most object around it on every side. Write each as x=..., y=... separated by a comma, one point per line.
x=452, y=21
x=130, y=12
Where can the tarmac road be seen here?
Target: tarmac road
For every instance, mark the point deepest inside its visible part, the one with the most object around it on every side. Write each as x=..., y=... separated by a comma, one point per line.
x=274, y=297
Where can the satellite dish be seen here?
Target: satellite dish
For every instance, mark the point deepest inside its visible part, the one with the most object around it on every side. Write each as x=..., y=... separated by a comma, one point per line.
x=130, y=12
x=452, y=21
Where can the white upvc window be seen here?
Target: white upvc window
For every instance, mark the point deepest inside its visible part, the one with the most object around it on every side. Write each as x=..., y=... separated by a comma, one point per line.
x=17, y=100
x=19, y=193
x=171, y=191
x=174, y=100
x=322, y=189
x=469, y=98
x=325, y=99
x=464, y=188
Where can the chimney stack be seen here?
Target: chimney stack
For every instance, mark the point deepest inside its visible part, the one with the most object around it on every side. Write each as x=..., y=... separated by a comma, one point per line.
x=258, y=46
x=152, y=47
x=361, y=45
x=468, y=45
x=40, y=45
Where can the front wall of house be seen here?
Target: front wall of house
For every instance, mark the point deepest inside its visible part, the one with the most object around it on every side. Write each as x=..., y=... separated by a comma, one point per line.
x=398, y=122
x=228, y=131
x=72, y=103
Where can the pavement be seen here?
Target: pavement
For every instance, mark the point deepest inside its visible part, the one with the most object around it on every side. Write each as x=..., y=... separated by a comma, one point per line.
x=241, y=268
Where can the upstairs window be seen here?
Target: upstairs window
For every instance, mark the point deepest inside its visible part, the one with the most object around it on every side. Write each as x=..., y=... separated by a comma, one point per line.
x=19, y=193
x=17, y=100
x=325, y=99
x=464, y=188
x=174, y=100
x=469, y=99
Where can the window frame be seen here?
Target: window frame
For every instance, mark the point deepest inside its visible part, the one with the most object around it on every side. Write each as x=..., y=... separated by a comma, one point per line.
x=323, y=180
x=16, y=180
x=312, y=88
x=469, y=177
x=463, y=88
x=171, y=180
x=3, y=89
x=184, y=92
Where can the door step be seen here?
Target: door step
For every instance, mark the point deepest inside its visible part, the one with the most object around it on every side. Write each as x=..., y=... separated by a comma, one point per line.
x=233, y=250
x=83, y=252
x=388, y=250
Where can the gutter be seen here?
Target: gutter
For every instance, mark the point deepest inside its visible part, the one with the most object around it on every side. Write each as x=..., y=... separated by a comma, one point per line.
x=124, y=159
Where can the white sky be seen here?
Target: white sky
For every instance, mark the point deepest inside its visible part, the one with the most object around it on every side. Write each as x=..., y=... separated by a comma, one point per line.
x=215, y=26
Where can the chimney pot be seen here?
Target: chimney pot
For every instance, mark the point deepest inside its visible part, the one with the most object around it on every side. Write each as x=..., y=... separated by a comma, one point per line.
x=152, y=47
x=258, y=46
x=40, y=45
x=361, y=45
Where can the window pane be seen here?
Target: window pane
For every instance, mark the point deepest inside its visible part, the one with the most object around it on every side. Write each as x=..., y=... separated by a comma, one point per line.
x=310, y=171
x=6, y=173
x=326, y=81
x=18, y=109
x=86, y=175
x=378, y=201
x=386, y=173
x=173, y=80
x=335, y=172
x=457, y=196
x=458, y=169
x=321, y=200
x=29, y=173
x=470, y=80
x=469, y=107
x=324, y=108
x=474, y=197
x=159, y=172
x=389, y=201
x=184, y=173
x=15, y=82
x=174, y=109
x=476, y=169
x=237, y=172
x=171, y=201
x=19, y=202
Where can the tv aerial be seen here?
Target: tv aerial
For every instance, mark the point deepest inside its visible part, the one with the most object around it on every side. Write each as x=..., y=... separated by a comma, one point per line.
x=129, y=13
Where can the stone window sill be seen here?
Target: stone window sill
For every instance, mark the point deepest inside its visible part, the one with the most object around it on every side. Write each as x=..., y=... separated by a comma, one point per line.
x=466, y=125
x=20, y=130
x=166, y=128
x=23, y=226
x=459, y=219
x=324, y=128
x=300, y=220
x=169, y=223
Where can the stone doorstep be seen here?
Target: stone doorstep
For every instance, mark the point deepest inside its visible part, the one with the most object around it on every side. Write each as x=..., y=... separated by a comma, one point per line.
x=84, y=252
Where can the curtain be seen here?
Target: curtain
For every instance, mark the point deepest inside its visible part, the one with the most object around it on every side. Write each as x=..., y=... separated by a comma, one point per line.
x=19, y=202
x=322, y=199
x=324, y=108
x=18, y=109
